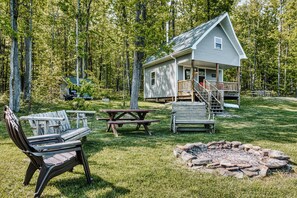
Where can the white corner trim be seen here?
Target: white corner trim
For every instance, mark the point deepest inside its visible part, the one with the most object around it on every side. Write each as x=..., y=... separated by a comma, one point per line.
x=235, y=35
x=230, y=40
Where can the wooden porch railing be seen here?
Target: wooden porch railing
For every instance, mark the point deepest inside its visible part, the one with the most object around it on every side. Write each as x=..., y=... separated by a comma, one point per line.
x=184, y=87
x=225, y=86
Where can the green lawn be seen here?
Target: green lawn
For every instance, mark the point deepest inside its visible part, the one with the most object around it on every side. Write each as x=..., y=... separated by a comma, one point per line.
x=138, y=165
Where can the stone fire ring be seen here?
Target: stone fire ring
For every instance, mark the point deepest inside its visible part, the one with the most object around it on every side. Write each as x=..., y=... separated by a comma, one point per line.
x=233, y=159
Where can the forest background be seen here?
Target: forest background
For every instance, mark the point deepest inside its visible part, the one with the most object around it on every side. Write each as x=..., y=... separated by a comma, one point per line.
x=106, y=40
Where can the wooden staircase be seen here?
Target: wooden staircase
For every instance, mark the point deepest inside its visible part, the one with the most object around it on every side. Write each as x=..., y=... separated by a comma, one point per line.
x=210, y=95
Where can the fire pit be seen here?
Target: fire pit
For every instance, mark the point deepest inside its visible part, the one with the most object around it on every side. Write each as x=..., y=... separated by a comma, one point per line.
x=233, y=158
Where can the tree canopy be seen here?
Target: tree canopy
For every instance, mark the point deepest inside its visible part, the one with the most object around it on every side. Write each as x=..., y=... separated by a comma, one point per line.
x=109, y=35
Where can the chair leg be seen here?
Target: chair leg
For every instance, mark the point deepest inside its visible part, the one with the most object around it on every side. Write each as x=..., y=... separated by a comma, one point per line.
x=42, y=180
x=29, y=173
x=86, y=166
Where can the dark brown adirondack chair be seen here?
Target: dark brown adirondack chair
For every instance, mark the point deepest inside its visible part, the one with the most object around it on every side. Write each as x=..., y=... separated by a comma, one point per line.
x=46, y=152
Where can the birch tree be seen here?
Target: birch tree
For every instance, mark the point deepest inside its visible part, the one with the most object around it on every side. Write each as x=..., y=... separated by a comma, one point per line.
x=14, y=81
x=28, y=54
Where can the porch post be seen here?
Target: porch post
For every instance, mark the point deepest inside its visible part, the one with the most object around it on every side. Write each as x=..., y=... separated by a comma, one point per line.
x=238, y=85
x=217, y=73
x=192, y=91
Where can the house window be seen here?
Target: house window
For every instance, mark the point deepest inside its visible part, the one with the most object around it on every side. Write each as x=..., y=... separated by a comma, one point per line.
x=218, y=43
x=187, y=74
x=153, y=78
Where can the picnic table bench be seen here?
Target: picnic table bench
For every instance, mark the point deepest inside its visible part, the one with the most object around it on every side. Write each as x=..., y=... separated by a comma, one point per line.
x=59, y=123
x=119, y=117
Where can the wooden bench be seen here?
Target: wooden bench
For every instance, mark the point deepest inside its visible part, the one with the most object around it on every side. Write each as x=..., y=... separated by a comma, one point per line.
x=187, y=116
x=120, y=123
x=59, y=123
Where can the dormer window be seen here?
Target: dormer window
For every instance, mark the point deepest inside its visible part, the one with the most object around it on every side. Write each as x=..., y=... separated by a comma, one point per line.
x=218, y=43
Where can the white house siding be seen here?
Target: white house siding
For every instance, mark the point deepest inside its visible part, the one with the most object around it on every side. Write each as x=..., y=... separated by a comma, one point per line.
x=180, y=73
x=165, y=80
x=205, y=49
x=211, y=75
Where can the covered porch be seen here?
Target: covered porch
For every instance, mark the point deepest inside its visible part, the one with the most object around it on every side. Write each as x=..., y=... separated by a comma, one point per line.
x=204, y=82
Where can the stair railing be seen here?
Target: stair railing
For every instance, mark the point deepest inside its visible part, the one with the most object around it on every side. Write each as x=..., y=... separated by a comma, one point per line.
x=199, y=89
x=217, y=94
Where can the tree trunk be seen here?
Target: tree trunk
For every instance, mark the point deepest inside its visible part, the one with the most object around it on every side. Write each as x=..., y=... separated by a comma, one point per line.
x=208, y=10
x=2, y=71
x=28, y=57
x=138, y=54
x=279, y=56
x=65, y=46
x=126, y=48
x=77, y=30
x=21, y=62
x=86, y=47
x=14, y=81
x=127, y=69
x=173, y=18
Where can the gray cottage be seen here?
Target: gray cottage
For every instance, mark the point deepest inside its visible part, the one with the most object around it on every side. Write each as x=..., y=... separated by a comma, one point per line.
x=194, y=70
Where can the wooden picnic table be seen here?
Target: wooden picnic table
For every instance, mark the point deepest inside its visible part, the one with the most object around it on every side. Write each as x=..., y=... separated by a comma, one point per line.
x=119, y=117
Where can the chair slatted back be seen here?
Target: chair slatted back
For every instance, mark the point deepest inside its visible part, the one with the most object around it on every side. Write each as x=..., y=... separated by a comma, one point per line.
x=65, y=124
x=17, y=135
x=189, y=110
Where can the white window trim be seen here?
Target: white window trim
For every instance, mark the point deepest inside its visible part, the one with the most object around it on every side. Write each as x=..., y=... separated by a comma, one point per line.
x=184, y=72
x=152, y=78
x=214, y=41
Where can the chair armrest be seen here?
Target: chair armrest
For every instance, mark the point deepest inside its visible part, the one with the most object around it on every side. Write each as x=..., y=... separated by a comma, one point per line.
x=58, y=146
x=42, y=118
x=45, y=139
x=40, y=137
x=78, y=111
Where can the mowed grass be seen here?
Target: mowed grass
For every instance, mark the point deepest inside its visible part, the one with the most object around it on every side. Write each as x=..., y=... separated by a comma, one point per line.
x=138, y=165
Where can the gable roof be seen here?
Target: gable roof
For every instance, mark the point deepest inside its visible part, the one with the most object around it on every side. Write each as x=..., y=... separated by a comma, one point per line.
x=191, y=38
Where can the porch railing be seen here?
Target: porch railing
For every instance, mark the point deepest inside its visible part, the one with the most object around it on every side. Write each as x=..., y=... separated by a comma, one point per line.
x=225, y=86
x=184, y=87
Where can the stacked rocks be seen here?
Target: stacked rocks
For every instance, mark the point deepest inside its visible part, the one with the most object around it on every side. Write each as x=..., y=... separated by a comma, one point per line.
x=232, y=158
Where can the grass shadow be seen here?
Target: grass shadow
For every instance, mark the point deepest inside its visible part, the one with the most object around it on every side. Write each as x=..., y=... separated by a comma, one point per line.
x=98, y=188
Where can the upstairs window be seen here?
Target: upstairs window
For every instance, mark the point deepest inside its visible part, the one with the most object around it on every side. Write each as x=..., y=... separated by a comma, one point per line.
x=218, y=43
x=153, y=78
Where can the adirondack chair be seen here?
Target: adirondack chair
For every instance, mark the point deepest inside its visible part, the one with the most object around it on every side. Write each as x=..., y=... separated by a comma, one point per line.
x=46, y=152
x=58, y=122
x=187, y=116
